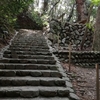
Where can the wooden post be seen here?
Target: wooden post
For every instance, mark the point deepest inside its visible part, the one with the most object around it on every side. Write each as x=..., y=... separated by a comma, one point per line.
x=70, y=49
x=58, y=41
x=97, y=82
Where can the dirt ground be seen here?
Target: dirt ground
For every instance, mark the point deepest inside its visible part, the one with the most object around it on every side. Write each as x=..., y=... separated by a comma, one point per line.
x=83, y=80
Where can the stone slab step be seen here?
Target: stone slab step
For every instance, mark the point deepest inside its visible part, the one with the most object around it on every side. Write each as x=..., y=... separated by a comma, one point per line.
x=29, y=40
x=39, y=98
x=32, y=43
x=34, y=91
x=24, y=46
x=31, y=81
x=19, y=66
x=33, y=73
x=28, y=49
x=28, y=52
x=32, y=61
x=29, y=43
x=29, y=56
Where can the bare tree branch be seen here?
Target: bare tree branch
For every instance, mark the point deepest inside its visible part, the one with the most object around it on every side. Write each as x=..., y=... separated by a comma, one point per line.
x=54, y=6
x=71, y=13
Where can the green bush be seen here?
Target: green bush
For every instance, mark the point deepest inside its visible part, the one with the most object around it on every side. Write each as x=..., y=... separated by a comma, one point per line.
x=36, y=18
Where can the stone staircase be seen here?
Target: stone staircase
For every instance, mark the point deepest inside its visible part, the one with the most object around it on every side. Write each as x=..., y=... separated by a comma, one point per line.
x=29, y=71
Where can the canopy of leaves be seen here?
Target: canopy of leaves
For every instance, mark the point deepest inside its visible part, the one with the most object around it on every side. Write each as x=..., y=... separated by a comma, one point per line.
x=96, y=2
x=36, y=18
x=9, y=9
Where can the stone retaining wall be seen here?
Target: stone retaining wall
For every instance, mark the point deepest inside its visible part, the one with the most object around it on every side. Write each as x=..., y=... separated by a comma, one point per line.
x=73, y=33
x=84, y=59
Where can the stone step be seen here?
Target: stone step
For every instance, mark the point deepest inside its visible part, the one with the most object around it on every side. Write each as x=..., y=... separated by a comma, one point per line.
x=25, y=41
x=28, y=39
x=32, y=61
x=28, y=49
x=38, y=98
x=29, y=46
x=18, y=66
x=31, y=81
x=28, y=56
x=28, y=52
x=33, y=73
x=32, y=43
x=34, y=91
x=29, y=42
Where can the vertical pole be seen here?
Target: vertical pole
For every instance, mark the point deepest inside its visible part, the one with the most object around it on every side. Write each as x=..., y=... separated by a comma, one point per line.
x=58, y=41
x=97, y=82
x=70, y=48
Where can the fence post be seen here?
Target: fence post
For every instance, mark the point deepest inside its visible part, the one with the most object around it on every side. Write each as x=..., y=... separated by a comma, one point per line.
x=58, y=41
x=70, y=49
x=97, y=82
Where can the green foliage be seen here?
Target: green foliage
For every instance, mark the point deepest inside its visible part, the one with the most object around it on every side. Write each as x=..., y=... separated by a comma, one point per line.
x=94, y=11
x=90, y=26
x=95, y=2
x=36, y=18
x=45, y=20
x=9, y=9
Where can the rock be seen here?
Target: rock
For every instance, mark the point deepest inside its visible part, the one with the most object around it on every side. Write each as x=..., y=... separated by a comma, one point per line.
x=12, y=94
x=29, y=94
x=48, y=93
x=74, y=96
x=63, y=93
x=63, y=40
x=68, y=84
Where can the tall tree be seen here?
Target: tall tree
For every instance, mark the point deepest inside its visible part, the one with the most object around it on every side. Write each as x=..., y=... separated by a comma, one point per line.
x=45, y=5
x=96, y=42
x=81, y=10
x=86, y=28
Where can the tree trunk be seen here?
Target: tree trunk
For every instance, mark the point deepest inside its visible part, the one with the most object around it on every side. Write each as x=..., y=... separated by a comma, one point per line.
x=96, y=42
x=45, y=5
x=71, y=13
x=81, y=10
x=86, y=28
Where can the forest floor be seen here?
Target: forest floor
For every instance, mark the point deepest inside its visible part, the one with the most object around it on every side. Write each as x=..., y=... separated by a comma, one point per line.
x=83, y=80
